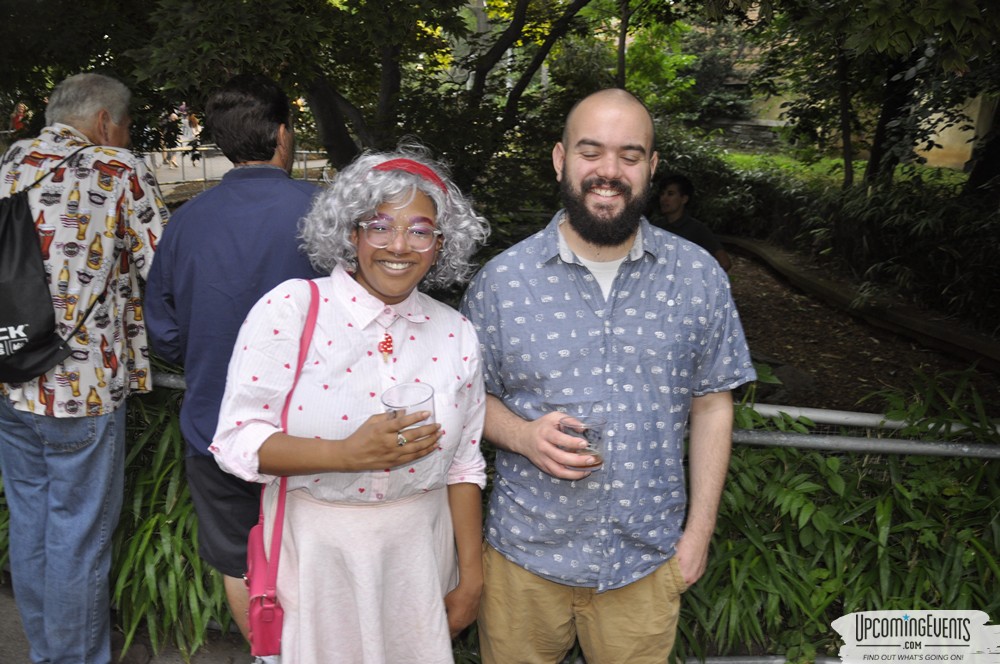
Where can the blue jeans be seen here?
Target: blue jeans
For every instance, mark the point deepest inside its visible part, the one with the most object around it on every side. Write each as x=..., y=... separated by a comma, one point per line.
x=63, y=480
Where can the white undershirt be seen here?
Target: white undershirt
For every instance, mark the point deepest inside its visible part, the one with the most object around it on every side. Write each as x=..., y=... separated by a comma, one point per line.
x=604, y=272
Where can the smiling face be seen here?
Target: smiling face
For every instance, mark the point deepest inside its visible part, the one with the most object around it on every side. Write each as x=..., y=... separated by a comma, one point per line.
x=391, y=274
x=604, y=164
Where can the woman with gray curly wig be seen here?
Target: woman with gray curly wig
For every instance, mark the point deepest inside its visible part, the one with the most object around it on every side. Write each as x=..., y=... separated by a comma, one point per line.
x=328, y=231
x=382, y=521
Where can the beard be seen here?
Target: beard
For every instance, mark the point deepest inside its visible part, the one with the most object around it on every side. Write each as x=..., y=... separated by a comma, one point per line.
x=606, y=231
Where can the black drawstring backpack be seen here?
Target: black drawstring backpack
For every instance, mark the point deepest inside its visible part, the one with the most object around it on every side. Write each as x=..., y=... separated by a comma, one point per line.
x=29, y=343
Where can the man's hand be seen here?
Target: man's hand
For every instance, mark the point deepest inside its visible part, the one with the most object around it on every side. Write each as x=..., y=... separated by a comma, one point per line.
x=692, y=556
x=551, y=450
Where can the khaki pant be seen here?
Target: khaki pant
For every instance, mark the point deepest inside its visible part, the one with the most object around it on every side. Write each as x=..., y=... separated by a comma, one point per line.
x=525, y=619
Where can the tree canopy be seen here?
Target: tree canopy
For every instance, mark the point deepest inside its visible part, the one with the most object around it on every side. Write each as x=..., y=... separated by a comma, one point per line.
x=492, y=79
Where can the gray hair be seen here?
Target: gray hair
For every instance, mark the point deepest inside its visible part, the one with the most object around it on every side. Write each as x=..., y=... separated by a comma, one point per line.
x=358, y=190
x=80, y=97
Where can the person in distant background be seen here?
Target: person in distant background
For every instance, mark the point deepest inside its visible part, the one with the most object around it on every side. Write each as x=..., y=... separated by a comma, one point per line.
x=673, y=193
x=191, y=130
x=166, y=121
x=19, y=117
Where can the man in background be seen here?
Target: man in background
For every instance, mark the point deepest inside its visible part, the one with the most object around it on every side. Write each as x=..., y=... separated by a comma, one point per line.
x=62, y=435
x=223, y=250
x=674, y=192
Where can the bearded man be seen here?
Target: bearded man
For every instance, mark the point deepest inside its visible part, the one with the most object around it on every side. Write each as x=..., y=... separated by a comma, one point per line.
x=602, y=314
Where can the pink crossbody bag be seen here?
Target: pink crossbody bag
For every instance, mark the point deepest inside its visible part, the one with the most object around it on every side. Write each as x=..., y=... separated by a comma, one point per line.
x=265, y=613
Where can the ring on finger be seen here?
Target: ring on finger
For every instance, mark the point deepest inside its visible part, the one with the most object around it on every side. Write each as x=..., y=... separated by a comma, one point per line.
x=401, y=439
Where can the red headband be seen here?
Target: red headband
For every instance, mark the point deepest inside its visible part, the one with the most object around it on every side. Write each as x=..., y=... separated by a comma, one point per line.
x=414, y=167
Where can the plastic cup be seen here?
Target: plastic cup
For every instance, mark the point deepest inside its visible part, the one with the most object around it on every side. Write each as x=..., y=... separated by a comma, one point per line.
x=409, y=398
x=590, y=429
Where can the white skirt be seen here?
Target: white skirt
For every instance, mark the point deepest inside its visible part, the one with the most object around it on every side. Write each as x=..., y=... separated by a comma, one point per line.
x=365, y=583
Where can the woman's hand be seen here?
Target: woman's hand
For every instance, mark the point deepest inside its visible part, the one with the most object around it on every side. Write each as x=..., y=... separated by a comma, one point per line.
x=377, y=443
x=462, y=606
x=374, y=446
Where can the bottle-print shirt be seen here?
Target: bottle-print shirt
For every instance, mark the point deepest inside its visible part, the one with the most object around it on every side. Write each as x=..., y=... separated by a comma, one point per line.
x=98, y=219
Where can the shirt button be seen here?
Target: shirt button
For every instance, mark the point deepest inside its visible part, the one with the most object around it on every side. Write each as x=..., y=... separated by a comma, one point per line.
x=611, y=381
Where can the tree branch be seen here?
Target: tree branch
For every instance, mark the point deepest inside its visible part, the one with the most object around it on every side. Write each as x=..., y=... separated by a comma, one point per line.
x=559, y=29
x=489, y=60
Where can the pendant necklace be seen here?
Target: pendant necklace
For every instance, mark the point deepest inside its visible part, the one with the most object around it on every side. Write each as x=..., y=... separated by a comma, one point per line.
x=385, y=321
x=385, y=347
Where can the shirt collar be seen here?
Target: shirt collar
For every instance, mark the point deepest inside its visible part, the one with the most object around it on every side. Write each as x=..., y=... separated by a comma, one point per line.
x=553, y=243
x=364, y=308
x=255, y=171
x=60, y=133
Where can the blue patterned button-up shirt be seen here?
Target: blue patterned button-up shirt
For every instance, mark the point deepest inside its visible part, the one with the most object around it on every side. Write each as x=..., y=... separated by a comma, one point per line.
x=669, y=331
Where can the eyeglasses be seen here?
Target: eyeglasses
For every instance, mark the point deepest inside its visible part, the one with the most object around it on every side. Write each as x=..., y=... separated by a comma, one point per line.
x=380, y=233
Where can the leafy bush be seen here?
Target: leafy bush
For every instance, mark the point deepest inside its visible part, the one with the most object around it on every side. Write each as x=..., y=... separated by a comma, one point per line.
x=918, y=237
x=802, y=538
x=805, y=537
x=159, y=581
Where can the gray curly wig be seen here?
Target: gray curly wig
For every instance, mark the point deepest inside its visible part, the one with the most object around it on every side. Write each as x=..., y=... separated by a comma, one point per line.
x=358, y=190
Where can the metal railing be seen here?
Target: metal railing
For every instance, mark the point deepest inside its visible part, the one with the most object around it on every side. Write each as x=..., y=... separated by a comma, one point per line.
x=211, y=164
x=811, y=441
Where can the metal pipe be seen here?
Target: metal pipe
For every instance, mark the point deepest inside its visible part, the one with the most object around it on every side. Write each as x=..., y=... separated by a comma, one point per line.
x=865, y=445
x=812, y=441
x=172, y=381
x=835, y=417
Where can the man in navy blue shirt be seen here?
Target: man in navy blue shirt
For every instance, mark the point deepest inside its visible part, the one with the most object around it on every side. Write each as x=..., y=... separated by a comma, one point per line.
x=222, y=251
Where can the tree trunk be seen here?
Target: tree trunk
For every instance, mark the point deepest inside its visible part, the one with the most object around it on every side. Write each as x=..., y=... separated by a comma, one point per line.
x=390, y=84
x=844, y=93
x=331, y=111
x=888, y=133
x=624, y=15
x=984, y=178
x=489, y=60
x=559, y=29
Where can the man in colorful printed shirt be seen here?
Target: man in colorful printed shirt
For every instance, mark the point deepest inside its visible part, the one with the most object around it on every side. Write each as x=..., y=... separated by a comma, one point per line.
x=62, y=435
x=601, y=313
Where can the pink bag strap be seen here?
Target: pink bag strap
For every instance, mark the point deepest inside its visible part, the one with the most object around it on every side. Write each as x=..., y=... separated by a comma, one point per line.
x=274, y=554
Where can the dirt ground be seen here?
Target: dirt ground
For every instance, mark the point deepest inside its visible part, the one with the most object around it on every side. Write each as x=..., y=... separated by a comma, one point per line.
x=827, y=358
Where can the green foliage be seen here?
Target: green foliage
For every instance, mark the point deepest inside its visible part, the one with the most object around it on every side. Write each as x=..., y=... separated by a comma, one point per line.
x=921, y=237
x=805, y=537
x=945, y=406
x=207, y=56
x=762, y=201
x=802, y=537
x=715, y=52
x=657, y=67
x=160, y=583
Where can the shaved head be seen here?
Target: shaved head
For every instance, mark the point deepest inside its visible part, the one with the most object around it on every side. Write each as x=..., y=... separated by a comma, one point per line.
x=607, y=96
